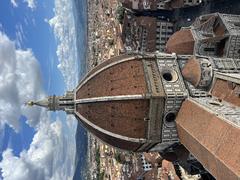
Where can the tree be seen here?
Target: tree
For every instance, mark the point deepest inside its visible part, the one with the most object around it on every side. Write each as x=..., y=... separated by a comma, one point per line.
x=117, y=156
x=120, y=13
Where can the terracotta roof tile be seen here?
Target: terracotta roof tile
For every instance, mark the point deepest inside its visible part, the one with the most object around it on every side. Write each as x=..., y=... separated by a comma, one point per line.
x=211, y=139
x=181, y=42
x=122, y=117
x=226, y=91
x=192, y=71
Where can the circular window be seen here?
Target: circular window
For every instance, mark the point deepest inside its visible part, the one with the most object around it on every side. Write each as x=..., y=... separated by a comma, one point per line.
x=170, y=119
x=167, y=76
x=170, y=75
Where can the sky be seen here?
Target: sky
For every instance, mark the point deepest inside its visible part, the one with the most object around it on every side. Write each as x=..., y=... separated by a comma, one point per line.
x=37, y=58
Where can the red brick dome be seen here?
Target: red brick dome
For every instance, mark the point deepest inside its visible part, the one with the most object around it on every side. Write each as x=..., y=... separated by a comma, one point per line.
x=112, y=102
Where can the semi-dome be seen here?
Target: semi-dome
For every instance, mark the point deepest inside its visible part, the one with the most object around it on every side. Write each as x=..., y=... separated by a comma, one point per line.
x=198, y=71
x=192, y=71
x=181, y=42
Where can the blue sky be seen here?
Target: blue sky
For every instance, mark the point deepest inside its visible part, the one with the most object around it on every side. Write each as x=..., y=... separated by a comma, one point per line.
x=37, y=58
x=29, y=28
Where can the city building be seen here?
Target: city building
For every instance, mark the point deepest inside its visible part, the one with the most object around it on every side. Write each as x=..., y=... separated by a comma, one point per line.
x=159, y=168
x=214, y=35
x=147, y=166
x=132, y=102
x=146, y=102
x=191, y=2
x=145, y=34
x=141, y=5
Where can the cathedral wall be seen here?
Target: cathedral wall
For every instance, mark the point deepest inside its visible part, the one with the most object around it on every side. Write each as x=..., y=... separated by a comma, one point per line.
x=175, y=93
x=233, y=50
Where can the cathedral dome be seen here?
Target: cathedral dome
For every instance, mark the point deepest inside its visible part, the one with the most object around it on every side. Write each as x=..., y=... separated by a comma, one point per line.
x=123, y=101
x=129, y=102
x=181, y=42
x=112, y=102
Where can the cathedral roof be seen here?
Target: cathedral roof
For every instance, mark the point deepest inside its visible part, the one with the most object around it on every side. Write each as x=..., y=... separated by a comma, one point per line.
x=113, y=141
x=192, y=71
x=181, y=42
x=224, y=89
x=216, y=148
x=112, y=104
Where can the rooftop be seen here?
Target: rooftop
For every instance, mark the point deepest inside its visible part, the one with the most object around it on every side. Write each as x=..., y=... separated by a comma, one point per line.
x=181, y=42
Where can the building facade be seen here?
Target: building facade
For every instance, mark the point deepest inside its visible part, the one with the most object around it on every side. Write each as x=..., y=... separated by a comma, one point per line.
x=164, y=32
x=147, y=166
x=153, y=5
x=145, y=34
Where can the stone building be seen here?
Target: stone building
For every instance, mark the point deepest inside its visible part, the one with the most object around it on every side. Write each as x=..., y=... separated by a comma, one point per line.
x=135, y=107
x=153, y=102
x=169, y=103
x=141, y=5
x=146, y=165
x=145, y=34
x=214, y=35
x=164, y=32
x=191, y=2
x=161, y=169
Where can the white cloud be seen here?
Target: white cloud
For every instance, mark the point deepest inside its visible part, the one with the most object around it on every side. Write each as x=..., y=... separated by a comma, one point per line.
x=14, y=3
x=20, y=82
x=50, y=156
x=64, y=30
x=31, y=3
x=52, y=152
x=20, y=35
x=65, y=34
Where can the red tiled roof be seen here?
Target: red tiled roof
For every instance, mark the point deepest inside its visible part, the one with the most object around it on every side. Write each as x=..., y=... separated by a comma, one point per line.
x=192, y=71
x=122, y=117
x=181, y=42
x=211, y=139
x=226, y=91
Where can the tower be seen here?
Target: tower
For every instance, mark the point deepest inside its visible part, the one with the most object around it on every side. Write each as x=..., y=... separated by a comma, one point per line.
x=57, y=103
